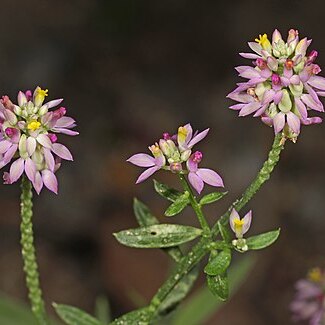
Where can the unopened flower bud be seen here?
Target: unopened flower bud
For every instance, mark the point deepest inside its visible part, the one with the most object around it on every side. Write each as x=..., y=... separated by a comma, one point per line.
x=176, y=167
x=312, y=56
x=275, y=79
x=53, y=137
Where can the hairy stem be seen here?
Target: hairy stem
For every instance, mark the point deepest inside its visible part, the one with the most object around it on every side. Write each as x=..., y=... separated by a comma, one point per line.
x=28, y=253
x=196, y=207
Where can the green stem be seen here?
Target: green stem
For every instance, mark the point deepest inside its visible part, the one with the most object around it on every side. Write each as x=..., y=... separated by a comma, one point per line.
x=196, y=207
x=28, y=253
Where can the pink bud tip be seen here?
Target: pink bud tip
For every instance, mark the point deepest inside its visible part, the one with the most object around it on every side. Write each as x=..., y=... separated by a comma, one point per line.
x=316, y=69
x=175, y=167
x=53, y=137
x=276, y=79
x=197, y=156
x=312, y=56
x=29, y=95
x=60, y=112
x=166, y=136
x=260, y=63
x=10, y=132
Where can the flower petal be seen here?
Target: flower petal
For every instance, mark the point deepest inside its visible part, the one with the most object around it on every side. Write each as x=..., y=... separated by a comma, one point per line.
x=53, y=103
x=62, y=151
x=65, y=131
x=294, y=122
x=196, y=182
x=309, y=101
x=30, y=169
x=233, y=216
x=16, y=169
x=278, y=122
x=65, y=122
x=317, y=82
x=50, y=180
x=147, y=173
x=247, y=221
x=197, y=138
x=22, y=99
x=31, y=145
x=249, y=108
x=142, y=160
x=49, y=159
x=301, y=108
x=38, y=182
x=249, y=56
x=4, y=146
x=257, y=48
x=210, y=177
x=44, y=140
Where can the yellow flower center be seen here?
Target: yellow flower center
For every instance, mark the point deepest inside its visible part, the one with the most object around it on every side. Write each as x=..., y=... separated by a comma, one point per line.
x=182, y=133
x=42, y=92
x=263, y=41
x=238, y=224
x=33, y=125
x=315, y=274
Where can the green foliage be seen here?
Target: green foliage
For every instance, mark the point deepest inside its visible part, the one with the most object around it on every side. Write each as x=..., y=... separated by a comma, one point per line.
x=167, y=192
x=140, y=316
x=178, y=205
x=157, y=236
x=263, y=240
x=219, y=285
x=224, y=232
x=212, y=197
x=218, y=262
x=102, y=310
x=74, y=316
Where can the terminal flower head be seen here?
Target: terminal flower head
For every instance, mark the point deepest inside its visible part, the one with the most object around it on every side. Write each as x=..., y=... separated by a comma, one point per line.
x=308, y=304
x=283, y=86
x=171, y=152
x=28, y=132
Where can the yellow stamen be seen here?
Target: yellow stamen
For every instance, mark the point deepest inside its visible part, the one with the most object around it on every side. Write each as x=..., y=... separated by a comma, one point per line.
x=182, y=134
x=238, y=224
x=315, y=274
x=33, y=125
x=42, y=92
x=263, y=41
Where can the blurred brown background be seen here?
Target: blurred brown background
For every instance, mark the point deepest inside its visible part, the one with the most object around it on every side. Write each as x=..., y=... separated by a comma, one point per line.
x=129, y=71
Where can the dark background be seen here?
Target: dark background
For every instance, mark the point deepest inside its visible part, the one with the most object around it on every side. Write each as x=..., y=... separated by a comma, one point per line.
x=129, y=71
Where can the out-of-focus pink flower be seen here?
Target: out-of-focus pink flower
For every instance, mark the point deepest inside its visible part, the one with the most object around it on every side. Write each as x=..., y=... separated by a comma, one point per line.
x=308, y=304
x=28, y=134
x=283, y=86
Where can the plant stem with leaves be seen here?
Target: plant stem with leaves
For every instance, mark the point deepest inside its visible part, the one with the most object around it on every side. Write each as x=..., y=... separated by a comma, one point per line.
x=29, y=254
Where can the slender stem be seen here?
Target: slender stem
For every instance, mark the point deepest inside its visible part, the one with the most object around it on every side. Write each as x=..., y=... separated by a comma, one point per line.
x=29, y=254
x=196, y=207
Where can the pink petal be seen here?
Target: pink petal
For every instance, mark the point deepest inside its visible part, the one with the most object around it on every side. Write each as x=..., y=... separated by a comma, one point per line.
x=250, y=73
x=21, y=98
x=301, y=108
x=268, y=96
x=277, y=97
x=249, y=56
x=191, y=165
x=249, y=108
x=243, y=68
x=309, y=101
x=294, y=122
x=210, y=177
x=16, y=169
x=50, y=180
x=295, y=80
x=31, y=145
x=38, y=182
x=237, y=107
x=312, y=120
x=198, y=138
x=196, y=182
x=261, y=111
x=142, y=160
x=233, y=216
x=65, y=122
x=10, y=153
x=65, y=131
x=147, y=173
x=53, y=103
x=317, y=82
x=44, y=140
x=257, y=48
x=30, y=169
x=278, y=122
x=10, y=116
x=247, y=221
x=62, y=151
x=242, y=97
x=4, y=146
x=49, y=159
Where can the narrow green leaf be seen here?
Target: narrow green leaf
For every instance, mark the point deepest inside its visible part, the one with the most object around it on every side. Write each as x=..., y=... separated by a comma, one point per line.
x=103, y=310
x=200, y=306
x=218, y=264
x=140, y=317
x=143, y=214
x=219, y=285
x=75, y=316
x=225, y=233
x=167, y=192
x=178, y=205
x=179, y=292
x=146, y=218
x=212, y=197
x=157, y=236
x=263, y=240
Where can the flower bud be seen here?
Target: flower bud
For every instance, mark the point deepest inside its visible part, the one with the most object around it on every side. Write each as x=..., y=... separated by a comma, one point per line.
x=176, y=167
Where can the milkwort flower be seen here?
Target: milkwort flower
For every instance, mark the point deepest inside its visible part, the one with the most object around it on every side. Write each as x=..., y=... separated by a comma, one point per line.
x=240, y=227
x=28, y=132
x=170, y=152
x=308, y=303
x=283, y=86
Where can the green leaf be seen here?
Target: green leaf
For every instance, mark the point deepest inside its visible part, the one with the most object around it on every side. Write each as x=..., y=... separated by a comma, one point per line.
x=140, y=317
x=167, y=192
x=75, y=316
x=225, y=233
x=179, y=292
x=103, y=310
x=143, y=214
x=212, y=197
x=201, y=305
x=178, y=205
x=218, y=264
x=157, y=236
x=146, y=218
x=219, y=286
x=263, y=240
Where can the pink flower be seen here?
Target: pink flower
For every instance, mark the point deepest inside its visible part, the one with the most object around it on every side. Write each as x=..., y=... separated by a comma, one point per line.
x=283, y=86
x=198, y=176
x=28, y=131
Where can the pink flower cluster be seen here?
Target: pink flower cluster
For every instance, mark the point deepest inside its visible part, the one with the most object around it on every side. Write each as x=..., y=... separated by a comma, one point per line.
x=170, y=152
x=28, y=134
x=283, y=85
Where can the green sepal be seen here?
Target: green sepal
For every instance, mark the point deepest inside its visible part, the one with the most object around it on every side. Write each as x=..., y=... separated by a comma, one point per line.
x=178, y=205
x=219, y=285
x=167, y=192
x=218, y=263
x=212, y=197
x=157, y=236
x=75, y=316
x=263, y=240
